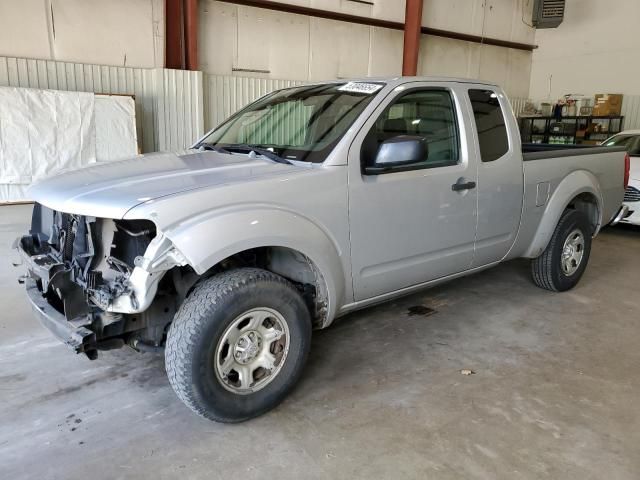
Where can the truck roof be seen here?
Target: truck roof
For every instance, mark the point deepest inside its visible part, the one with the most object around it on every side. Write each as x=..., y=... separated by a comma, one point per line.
x=401, y=80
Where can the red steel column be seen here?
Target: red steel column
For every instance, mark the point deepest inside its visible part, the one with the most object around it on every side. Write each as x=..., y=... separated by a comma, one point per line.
x=412, y=26
x=191, y=34
x=173, y=43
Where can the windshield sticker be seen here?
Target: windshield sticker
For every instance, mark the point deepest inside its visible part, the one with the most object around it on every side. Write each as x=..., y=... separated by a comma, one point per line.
x=360, y=87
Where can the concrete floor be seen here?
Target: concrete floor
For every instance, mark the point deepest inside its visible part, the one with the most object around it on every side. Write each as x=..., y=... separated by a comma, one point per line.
x=555, y=394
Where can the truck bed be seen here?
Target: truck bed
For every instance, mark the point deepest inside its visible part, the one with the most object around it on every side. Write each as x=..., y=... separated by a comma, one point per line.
x=545, y=167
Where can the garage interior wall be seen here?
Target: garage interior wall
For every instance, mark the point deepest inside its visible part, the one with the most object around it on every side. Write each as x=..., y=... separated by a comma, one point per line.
x=594, y=50
x=130, y=33
x=124, y=33
x=246, y=40
x=245, y=52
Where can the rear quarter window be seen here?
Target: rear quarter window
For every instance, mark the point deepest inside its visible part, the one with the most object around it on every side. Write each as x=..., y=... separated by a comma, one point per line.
x=492, y=131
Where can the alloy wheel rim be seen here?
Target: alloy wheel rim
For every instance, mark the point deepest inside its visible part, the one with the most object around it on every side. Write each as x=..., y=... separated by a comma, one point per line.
x=572, y=253
x=252, y=350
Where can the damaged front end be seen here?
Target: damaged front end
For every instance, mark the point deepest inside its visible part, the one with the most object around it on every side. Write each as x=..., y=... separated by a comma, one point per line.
x=95, y=282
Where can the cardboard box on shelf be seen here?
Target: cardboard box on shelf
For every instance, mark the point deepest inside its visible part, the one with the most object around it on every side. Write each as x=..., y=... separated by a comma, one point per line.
x=607, y=104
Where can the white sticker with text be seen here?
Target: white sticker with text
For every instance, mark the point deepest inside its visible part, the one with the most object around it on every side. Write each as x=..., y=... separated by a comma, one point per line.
x=360, y=87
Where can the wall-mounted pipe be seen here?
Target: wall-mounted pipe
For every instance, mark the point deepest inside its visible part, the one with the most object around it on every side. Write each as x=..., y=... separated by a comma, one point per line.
x=376, y=22
x=412, y=25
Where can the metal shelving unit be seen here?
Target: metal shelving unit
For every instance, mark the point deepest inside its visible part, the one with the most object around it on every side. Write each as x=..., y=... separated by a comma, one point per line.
x=568, y=130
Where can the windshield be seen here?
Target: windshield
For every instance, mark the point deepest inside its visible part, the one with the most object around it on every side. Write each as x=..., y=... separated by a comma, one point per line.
x=301, y=123
x=630, y=142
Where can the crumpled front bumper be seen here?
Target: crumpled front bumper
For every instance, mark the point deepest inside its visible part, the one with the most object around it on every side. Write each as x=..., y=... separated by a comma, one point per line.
x=80, y=339
x=42, y=269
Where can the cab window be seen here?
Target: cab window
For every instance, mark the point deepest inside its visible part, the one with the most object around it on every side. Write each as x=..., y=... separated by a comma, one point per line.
x=429, y=114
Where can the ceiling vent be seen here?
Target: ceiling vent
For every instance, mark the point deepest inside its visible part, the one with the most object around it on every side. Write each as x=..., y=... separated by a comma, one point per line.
x=548, y=13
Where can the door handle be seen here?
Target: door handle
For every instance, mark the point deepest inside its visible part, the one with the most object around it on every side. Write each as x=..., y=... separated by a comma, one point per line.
x=459, y=186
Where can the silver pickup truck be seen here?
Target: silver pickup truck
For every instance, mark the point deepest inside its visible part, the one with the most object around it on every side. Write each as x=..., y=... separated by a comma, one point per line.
x=310, y=203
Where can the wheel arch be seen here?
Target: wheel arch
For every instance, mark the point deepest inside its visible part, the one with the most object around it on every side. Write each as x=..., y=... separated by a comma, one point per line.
x=295, y=247
x=578, y=190
x=291, y=264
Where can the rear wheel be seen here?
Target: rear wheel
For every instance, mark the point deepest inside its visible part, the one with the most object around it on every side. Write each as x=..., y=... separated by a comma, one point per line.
x=565, y=259
x=238, y=344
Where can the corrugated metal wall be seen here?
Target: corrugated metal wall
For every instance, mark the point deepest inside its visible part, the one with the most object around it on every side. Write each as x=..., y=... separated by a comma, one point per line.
x=518, y=105
x=225, y=95
x=631, y=112
x=166, y=118
x=179, y=110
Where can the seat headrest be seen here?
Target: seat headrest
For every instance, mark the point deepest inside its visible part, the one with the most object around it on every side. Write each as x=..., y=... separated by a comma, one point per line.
x=395, y=126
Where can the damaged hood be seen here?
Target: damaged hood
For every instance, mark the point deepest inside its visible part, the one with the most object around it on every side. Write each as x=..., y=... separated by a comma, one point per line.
x=109, y=190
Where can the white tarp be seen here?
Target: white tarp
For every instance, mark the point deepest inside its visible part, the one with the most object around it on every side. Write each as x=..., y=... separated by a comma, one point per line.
x=115, y=123
x=43, y=132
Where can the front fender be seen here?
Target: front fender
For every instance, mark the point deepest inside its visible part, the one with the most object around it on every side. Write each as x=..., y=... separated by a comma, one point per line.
x=208, y=239
x=574, y=184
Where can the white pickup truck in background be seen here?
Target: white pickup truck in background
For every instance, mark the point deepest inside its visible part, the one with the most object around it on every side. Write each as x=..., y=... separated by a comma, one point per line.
x=310, y=203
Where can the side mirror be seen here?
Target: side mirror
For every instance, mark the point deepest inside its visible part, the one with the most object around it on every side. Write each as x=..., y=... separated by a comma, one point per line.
x=398, y=152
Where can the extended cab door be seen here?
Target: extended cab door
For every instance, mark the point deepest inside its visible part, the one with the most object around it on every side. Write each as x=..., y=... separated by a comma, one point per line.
x=500, y=175
x=409, y=225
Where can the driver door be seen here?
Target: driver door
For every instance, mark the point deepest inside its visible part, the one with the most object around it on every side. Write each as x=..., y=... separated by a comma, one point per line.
x=411, y=225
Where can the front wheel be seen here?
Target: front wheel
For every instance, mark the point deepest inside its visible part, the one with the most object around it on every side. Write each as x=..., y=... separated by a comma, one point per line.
x=565, y=259
x=238, y=344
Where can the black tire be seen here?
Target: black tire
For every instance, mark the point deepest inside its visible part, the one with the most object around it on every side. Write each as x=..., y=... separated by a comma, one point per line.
x=547, y=269
x=199, y=325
